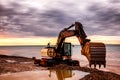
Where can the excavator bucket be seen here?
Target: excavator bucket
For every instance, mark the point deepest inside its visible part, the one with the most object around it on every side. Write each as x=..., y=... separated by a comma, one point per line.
x=95, y=53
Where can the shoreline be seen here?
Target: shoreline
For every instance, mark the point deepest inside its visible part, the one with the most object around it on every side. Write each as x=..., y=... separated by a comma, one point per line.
x=14, y=64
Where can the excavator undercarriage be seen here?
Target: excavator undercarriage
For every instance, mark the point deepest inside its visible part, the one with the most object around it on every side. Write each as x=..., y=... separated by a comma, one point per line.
x=95, y=52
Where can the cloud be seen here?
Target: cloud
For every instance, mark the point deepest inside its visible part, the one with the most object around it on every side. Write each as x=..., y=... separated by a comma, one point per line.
x=115, y=1
x=107, y=18
x=24, y=19
x=38, y=23
x=19, y=22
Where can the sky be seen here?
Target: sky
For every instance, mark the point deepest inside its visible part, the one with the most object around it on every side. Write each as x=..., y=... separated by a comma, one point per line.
x=37, y=22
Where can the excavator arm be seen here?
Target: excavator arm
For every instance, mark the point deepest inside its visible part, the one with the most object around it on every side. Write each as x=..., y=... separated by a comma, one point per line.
x=78, y=32
x=94, y=52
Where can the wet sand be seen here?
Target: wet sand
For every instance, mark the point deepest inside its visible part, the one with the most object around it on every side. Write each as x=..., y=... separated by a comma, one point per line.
x=45, y=75
x=14, y=64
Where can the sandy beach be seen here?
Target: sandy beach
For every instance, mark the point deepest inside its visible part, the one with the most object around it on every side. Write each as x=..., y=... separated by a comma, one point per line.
x=16, y=65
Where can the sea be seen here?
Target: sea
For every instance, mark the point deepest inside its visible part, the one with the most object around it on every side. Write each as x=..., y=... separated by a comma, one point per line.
x=112, y=55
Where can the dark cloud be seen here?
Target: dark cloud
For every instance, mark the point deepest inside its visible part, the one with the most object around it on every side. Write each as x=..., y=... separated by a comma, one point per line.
x=39, y=23
x=106, y=18
x=97, y=19
x=105, y=14
x=115, y=1
x=57, y=16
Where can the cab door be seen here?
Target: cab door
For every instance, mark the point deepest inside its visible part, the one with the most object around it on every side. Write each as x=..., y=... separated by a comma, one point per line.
x=67, y=49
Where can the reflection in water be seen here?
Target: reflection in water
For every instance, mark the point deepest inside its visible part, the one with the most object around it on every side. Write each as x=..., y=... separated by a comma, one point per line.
x=45, y=75
x=4, y=52
x=67, y=74
x=62, y=74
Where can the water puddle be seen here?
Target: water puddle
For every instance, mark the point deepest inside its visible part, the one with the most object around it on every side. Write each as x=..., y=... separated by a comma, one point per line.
x=45, y=75
x=11, y=61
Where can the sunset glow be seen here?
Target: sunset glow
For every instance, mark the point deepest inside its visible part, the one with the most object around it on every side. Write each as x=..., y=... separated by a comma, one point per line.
x=52, y=40
x=25, y=41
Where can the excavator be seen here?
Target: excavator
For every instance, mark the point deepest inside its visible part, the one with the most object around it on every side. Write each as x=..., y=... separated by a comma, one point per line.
x=61, y=53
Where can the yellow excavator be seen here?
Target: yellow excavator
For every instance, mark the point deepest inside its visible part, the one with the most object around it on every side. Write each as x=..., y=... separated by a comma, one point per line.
x=61, y=53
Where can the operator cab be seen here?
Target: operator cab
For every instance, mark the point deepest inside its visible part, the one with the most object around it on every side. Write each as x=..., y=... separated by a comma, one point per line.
x=67, y=49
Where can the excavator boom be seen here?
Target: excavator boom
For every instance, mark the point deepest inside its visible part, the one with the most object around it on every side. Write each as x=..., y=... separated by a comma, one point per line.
x=94, y=52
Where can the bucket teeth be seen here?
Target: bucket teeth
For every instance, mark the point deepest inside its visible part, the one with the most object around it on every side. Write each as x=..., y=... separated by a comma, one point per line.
x=89, y=64
x=104, y=65
x=99, y=65
x=94, y=65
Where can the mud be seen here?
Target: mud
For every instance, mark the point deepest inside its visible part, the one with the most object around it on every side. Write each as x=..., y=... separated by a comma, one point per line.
x=13, y=64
